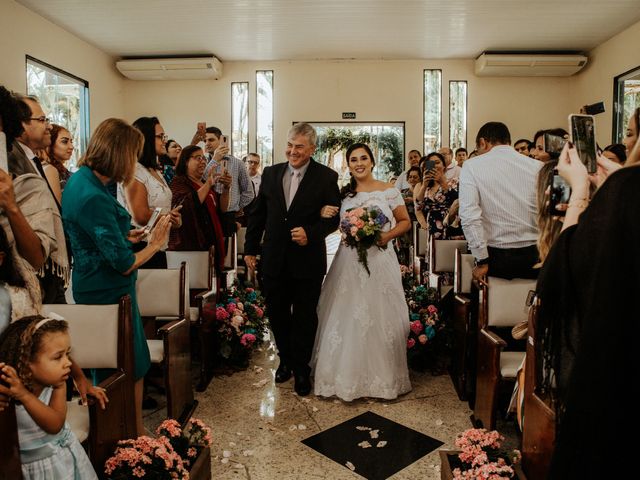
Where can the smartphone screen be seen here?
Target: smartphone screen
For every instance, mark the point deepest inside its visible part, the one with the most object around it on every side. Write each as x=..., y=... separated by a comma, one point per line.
x=560, y=192
x=553, y=145
x=155, y=216
x=583, y=136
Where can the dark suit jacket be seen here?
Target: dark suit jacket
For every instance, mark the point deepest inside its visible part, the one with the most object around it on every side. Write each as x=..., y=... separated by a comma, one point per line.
x=268, y=214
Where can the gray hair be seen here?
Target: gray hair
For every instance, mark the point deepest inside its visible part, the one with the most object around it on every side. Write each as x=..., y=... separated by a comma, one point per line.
x=304, y=129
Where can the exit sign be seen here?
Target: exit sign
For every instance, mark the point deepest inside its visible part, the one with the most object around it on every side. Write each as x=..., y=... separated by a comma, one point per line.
x=348, y=115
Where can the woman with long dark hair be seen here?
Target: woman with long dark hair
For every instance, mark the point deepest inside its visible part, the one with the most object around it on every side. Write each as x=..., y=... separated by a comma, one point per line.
x=148, y=189
x=361, y=341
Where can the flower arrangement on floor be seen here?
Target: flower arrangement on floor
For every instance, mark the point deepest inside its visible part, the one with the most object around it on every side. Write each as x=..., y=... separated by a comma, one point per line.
x=240, y=323
x=481, y=456
x=361, y=228
x=167, y=457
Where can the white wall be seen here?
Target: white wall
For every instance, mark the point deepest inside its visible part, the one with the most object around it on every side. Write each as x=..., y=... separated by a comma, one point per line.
x=595, y=82
x=375, y=90
x=23, y=32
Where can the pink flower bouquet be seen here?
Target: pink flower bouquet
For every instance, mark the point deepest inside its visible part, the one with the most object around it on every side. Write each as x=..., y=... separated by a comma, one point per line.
x=481, y=456
x=361, y=229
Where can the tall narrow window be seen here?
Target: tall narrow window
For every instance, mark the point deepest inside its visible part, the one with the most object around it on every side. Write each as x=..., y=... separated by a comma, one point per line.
x=239, y=119
x=432, y=110
x=457, y=114
x=264, y=116
x=64, y=99
x=626, y=100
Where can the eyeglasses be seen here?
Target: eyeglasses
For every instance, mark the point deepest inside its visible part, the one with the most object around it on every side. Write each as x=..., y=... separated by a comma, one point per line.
x=197, y=157
x=162, y=136
x=255, y=162
x=41, y=119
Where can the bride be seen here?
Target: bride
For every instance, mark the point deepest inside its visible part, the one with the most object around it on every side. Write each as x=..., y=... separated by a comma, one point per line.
x=363, y=320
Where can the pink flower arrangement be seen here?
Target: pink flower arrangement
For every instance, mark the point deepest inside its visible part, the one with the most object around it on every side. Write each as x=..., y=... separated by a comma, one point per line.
x=361, y=229
x=145, y=457
x=259, y=311
x=221, y=314
x=231, y=307
x=482, y=457
x=247, y=339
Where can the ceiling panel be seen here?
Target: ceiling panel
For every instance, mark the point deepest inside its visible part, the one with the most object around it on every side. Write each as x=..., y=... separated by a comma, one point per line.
x=330, y=29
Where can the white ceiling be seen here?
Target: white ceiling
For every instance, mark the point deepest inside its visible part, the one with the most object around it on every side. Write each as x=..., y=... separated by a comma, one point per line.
x=329, y=29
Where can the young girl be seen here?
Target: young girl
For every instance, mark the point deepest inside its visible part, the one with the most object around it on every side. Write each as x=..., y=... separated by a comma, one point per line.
x=34, y=365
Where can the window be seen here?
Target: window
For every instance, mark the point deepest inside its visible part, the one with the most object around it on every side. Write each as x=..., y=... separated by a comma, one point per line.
x=626, y=99
x=64, y=99
x=239, y=119
x=432, y=110
x=386, y=140
x=457, y=114
x=264, y=116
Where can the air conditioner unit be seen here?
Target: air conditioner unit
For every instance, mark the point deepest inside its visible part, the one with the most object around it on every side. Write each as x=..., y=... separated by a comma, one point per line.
x=528, y=65
x=196, y=68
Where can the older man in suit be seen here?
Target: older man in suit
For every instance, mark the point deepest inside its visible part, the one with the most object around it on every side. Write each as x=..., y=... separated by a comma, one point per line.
x=287, y=210
x=23, y=160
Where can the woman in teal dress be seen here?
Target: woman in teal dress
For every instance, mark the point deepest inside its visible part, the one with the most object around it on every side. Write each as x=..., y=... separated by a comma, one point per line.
x=98, y=227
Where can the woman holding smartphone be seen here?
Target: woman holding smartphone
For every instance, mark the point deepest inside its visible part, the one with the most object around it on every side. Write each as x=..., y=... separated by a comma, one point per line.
x=201, y=227
x=105, y=265
x=148, y=189
x=434, y=195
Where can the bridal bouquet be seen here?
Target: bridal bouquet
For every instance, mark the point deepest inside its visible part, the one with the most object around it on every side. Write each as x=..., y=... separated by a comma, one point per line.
x=361, y=229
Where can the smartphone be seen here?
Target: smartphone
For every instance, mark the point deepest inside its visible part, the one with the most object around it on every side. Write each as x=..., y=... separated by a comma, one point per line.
x=594, y=108
x=224, y=165
x=155, y=216
x=553, y=145
x=179, y=203
x=560, y=192
x=429, y=166
x=583, y=136
x=223, y=140
x=202, y=126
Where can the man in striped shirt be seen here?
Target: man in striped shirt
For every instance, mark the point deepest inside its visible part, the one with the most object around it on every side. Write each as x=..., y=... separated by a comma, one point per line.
x=498, y=206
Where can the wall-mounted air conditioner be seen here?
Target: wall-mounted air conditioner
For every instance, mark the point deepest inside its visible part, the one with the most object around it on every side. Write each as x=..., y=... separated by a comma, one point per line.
x=528, y=65
x=196, y=68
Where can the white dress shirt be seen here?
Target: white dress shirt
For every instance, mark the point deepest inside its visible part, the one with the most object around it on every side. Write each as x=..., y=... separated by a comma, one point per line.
x=452, y=171
x=498, y=205
x=256, y=180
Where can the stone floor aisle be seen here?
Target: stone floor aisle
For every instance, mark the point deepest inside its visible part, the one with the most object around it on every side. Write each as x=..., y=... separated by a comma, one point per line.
x=260, y=426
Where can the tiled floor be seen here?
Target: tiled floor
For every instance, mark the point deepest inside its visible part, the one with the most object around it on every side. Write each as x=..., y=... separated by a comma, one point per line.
x=258, y=427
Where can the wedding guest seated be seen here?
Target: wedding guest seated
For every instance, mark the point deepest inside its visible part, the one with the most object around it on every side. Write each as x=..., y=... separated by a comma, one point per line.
x=461, y=156
x=201, y=227
x=434, y=195
x=616, y=152
x=522, y=146
x=414, y=157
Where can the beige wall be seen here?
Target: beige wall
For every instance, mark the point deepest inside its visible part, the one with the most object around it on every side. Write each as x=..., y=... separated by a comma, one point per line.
x=595, y=83
x=23, y=32
x=375, y=90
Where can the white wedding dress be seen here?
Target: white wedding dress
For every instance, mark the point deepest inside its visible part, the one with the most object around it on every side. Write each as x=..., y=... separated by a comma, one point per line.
x=363, y=321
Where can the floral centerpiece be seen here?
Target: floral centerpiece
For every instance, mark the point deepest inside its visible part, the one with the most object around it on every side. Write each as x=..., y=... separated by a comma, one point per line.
x=361, y=229
x=239, y=321
x=169, y=456
x=481, y=457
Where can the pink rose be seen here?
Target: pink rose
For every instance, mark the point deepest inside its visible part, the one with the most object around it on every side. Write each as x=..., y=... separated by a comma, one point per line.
x=249, y=290
x=353, y=231
x=231, y=307
x=221, y=314
x=422, y=339
x=416, y=327
x=259, y=312
x=411, y=343
x=247, y=339
x=359, y=223
x=240, y=306
x=432, y=309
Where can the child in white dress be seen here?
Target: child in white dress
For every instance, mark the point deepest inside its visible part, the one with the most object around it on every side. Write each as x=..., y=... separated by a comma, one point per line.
x=34, y=366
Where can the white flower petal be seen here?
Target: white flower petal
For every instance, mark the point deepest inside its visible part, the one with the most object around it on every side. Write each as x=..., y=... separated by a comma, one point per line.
x=374, y=433
x=302, y=426
x=364, y=444
x=381, y=443
x=350, y=466
x=226, y=453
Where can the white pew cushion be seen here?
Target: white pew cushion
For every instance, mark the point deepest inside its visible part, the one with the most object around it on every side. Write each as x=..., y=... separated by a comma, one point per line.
x=78, y=420
x=156, y=350
x=510, y=363
x=507, y=301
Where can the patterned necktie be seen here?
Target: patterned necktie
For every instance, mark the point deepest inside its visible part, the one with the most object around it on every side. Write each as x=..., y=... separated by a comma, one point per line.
x=293, y=187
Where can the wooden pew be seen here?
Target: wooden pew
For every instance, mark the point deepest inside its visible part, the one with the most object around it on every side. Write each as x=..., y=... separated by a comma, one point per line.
x=539, y=429
x=462, y=368
x=442, y=255
x=501, y=303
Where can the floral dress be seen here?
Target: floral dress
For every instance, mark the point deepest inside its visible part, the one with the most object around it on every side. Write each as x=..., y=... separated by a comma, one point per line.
x=435, y=207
